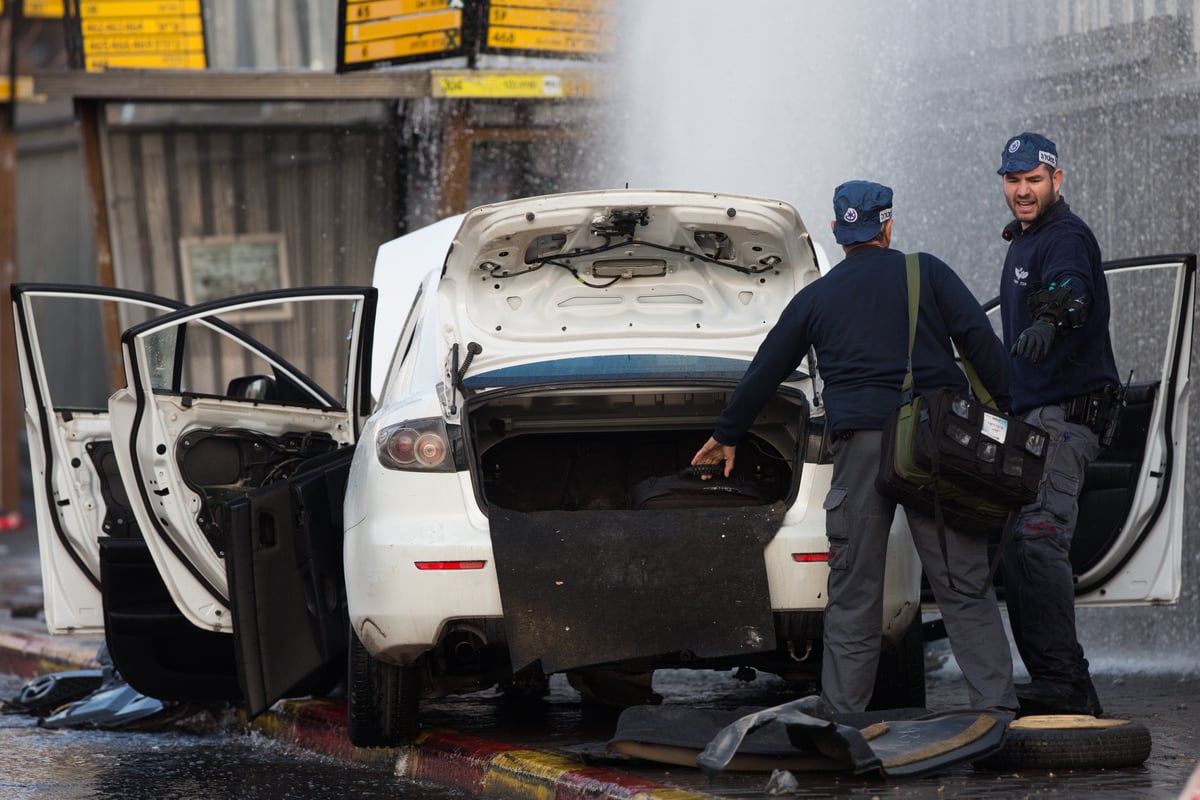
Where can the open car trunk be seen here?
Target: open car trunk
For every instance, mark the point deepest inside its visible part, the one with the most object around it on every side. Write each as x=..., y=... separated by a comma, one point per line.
x=585, y=448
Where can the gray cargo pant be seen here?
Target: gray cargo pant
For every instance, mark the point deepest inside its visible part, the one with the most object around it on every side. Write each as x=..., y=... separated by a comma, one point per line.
x=857, y=522
x=1039, y=585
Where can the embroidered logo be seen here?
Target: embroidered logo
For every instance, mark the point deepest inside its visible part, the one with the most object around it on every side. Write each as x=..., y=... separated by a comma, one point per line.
x=885, y=215
x=1047, y=158
x=1014, y=145
x=1020, y=276
x=851, y=215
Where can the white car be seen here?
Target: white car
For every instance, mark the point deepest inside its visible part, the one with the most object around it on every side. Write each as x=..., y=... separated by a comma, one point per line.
x=482, y=524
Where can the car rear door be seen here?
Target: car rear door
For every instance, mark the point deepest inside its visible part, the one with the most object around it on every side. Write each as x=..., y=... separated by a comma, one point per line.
x=236, y=432
x=69, y=365
x=1127, y=547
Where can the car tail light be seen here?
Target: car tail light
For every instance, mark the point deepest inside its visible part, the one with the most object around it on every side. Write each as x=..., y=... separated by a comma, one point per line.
x=809, y=558
x=417, y=445
x=449, y=565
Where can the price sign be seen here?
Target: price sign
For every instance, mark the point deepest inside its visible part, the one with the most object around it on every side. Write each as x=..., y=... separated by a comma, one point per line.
x=479, y=83
x=375, y=32
x=142, y=34
x=561, y=28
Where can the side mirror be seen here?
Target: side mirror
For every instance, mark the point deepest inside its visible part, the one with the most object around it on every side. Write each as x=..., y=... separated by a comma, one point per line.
x=252, y=387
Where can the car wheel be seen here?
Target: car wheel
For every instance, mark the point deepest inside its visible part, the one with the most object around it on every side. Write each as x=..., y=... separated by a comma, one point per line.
x=382, y=700
x=900, y=679
x=1070, y=742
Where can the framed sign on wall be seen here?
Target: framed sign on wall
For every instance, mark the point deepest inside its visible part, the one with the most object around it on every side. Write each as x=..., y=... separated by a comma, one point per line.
x=216, y=267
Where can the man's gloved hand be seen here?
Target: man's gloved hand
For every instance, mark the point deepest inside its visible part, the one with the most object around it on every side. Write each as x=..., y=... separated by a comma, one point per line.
x=1034, y=342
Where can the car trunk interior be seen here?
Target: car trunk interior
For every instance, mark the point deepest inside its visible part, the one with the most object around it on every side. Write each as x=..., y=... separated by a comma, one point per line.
x=588, y=449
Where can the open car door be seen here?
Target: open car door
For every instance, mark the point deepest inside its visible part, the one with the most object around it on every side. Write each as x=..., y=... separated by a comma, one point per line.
x=1127, y=547
x=67, y=354
x=236, y=429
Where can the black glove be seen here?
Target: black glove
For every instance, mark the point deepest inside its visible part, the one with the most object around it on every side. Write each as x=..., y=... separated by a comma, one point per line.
x=1034, y=342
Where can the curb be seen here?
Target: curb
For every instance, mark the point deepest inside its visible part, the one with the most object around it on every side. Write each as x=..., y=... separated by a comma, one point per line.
x=484, y=768
x=28, y=655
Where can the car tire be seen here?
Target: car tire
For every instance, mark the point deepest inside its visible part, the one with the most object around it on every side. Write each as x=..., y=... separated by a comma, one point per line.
x=382, y=700
x=900, y=678
x=1070, y=742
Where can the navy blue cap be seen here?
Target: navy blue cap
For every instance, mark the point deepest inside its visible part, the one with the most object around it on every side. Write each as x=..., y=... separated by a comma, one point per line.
x=859, y=210
x=1023, y=153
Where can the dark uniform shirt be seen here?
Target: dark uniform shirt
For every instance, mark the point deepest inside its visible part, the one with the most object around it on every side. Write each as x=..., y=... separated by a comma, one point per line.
x=1056, y=247
x=856, y=318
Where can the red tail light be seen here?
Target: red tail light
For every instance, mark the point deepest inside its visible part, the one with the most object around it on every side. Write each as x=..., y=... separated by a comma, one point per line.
x=809, y=558
x=425, y=565
x=419, y=445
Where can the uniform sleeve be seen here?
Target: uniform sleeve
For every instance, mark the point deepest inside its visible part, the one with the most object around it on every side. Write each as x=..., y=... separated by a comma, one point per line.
x=1068, y=257
x=972, y=332
x=781, y=351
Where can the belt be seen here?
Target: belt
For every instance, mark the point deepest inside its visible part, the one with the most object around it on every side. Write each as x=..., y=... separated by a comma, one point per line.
x=1091, y=409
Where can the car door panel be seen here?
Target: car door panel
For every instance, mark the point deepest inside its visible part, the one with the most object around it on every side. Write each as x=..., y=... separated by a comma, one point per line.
x=237, y=477
x=285, y=553
x=78, y=496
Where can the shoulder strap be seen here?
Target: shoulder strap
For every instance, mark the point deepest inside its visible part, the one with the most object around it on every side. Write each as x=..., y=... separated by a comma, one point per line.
x=914, y=299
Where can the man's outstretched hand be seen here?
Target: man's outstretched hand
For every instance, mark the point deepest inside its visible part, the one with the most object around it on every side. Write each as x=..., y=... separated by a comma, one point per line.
x=713, y=452
x=1034, y=342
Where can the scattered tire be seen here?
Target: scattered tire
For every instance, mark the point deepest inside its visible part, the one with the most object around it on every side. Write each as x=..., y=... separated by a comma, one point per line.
x=1070, y=742
x=45, y=693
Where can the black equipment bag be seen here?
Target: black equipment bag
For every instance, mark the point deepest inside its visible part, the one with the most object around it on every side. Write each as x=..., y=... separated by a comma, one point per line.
x=954, y=457
x=977, y=462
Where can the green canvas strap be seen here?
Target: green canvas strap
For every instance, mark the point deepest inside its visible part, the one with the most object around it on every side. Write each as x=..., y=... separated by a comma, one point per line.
x=914, y=300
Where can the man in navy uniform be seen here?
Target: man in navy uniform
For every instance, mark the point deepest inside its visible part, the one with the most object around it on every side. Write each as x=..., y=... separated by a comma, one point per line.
x=1054, y=305
x=856, y=318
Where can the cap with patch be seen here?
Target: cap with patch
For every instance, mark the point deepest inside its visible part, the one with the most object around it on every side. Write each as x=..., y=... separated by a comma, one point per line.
x=859, y=210
x=1026, y=151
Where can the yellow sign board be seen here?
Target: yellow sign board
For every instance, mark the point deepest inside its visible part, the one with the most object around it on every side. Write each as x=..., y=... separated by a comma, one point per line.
x=547, y=41
x=551, y=20
x=577, y=28
x=494, y=84
x=599, y=6
x=101, y=63
x=147, y=26
x=49, y=9
x=400, y=30
x=142, y=34
x=367, y=10
x=139, y=8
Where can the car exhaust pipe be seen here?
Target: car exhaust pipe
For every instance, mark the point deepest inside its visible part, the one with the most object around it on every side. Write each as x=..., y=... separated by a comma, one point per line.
x=463, y=646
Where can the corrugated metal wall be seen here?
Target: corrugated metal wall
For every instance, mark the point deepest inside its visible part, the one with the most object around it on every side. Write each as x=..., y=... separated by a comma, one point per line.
x=326, y=193
x=332, y=193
